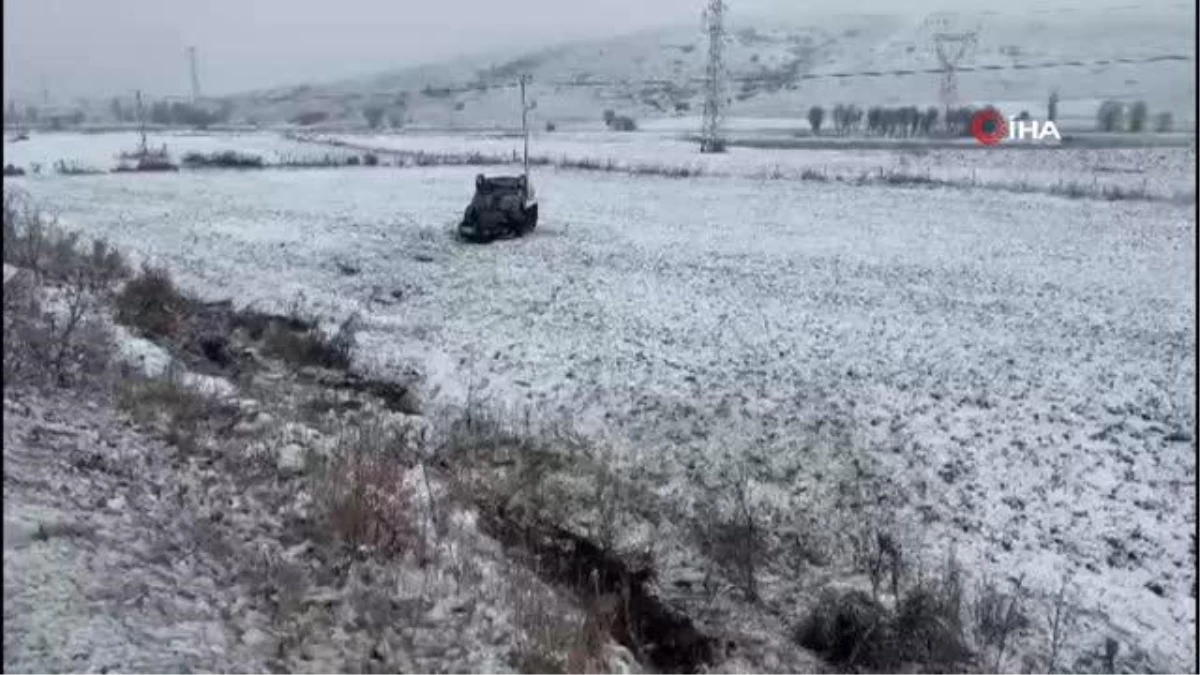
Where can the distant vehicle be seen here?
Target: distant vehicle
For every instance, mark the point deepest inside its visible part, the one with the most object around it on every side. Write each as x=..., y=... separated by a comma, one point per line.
x=20, y=136
x=504, y=207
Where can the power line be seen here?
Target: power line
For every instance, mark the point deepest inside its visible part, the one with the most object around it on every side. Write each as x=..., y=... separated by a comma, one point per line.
x=802, y=77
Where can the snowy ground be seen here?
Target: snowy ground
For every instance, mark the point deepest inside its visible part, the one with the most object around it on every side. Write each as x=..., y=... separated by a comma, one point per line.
x=1159, y=171
x=101, y=150
x=1022, y=367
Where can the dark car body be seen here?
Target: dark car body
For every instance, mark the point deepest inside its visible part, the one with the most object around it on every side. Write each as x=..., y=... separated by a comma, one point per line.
x=503, y=207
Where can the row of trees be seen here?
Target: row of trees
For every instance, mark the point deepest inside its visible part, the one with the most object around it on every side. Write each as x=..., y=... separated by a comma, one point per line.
x=900, y=121
x=376, y=115
x=1135, y=118
x=907, y=121
x=173, y=113
x=33, y=115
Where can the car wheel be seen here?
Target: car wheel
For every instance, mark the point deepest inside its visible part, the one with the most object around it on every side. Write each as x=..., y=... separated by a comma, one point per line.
x=531, y=218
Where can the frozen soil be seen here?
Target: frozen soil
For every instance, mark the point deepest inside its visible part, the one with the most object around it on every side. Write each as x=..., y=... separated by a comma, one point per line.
x=1018, y=371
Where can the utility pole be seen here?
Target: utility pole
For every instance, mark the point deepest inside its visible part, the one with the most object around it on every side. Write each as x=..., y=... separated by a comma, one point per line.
x=525, y=108
x=141, y=114
x=195, y=75
x=714, y=91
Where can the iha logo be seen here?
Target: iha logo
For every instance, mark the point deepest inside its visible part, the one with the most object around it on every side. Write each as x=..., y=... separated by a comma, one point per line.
x=989, y=127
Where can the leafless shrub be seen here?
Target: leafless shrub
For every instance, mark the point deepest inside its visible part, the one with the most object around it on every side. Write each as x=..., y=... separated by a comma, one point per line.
x=34, y=242
x=362, y=495
x=74, y=168
x=997, y=615
x=733, y=537
x=65, y=346
x=884, y=560
x=1061, y=618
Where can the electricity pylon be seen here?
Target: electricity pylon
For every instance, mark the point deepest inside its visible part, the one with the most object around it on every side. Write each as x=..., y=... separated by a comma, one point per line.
x=711, y=139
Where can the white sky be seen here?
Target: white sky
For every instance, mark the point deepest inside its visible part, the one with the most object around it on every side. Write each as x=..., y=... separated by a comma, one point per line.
x=104, y=47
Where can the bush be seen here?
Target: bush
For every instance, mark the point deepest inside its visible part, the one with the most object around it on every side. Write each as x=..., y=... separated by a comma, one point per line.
x=312, y=346
x=1163, y=122
x=855, y=631
x=226, y=159
x=151, y=303
x=370, y=159
x=849, y=629
x=622, y=123
x=309, y=117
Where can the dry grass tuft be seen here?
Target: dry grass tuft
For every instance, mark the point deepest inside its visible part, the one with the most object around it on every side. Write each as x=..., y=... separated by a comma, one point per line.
x=185, y=414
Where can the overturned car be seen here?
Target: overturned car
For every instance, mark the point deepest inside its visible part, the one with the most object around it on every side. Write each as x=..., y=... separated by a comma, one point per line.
x=503, y=207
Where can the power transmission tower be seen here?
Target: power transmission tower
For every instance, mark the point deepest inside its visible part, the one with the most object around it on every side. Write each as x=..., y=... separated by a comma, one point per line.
x=195, y=74
x=711, y=139
x=951, y=48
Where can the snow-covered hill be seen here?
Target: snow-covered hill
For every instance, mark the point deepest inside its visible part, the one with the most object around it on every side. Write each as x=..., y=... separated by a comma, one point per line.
x=783, y=63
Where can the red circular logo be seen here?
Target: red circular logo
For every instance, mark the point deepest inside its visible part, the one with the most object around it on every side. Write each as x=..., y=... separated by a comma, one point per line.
x=989, y=127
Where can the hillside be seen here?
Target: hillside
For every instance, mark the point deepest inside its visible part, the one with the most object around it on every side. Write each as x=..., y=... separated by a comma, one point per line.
x=780, y=65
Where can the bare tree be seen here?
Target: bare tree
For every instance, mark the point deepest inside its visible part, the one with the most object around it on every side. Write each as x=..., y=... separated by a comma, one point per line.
x=1110, y=115
x=373, y=115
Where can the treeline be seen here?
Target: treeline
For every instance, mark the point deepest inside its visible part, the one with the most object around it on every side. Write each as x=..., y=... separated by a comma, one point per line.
x=173, y=113
x=36, y=116
x=1135, y=118
x=894, y=122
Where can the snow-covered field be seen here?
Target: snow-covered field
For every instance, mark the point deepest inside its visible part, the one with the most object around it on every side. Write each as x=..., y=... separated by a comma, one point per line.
x=101, y=151
x=1159, y=171
x=1020, y=367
